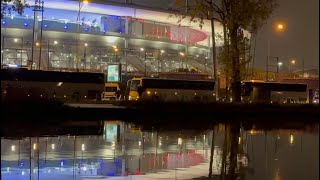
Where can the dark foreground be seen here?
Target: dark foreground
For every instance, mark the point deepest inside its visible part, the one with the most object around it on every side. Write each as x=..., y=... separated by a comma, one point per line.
x=187, y=115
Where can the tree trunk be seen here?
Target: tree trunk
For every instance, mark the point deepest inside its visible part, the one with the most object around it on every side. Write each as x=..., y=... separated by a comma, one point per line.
x=226, y=48
x=234, y=135
x=224, y=154
x=211, y=154
x=214, y=59
x=236, y=79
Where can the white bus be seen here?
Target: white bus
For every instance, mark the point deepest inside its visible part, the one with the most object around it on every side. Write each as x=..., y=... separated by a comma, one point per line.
x=169, y=90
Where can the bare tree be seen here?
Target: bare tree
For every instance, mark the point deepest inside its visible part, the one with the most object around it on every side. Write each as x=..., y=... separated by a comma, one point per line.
x=235, y=16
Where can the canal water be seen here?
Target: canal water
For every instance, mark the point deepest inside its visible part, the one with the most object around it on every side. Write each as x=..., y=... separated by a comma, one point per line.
x=119, y=150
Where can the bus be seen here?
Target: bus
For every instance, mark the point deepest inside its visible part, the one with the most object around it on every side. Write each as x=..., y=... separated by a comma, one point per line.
x=274, y=92
x=170, y=90
x=110, y=91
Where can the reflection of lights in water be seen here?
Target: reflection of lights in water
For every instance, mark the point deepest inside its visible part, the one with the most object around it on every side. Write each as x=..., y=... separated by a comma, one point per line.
x=22, y=173
x=239, y=140
x=139, y=143
x=13, y=148
x=160, y=143
x=291, y=139
x=179, y=141
x=52, y=146
x=277, y=176
x=82, y=147
x=113, y=145
x=61, y=163
x=204, y=137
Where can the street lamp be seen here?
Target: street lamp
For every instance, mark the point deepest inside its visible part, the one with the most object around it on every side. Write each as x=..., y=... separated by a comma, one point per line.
x=279, y=28
x=85, y=55
x=81, y=3
x=159, y=59
x=279, y=64
x=292, y=63
x=116, y=52
x=182, y=55
x=145, y=61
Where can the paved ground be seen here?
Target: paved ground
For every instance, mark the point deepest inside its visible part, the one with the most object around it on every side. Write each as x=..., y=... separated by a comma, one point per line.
x=94, y=105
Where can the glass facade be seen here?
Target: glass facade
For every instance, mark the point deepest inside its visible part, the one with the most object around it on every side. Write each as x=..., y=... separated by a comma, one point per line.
x=67, y=40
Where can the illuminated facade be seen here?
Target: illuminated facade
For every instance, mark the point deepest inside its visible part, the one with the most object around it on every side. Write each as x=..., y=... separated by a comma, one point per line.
x=81, y=36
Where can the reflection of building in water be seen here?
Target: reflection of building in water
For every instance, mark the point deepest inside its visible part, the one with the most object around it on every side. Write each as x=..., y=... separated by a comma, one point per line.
x=122, y=149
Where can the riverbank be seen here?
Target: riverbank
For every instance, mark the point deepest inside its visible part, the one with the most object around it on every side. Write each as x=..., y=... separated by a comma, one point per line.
x=52, y=117
x=44, y=110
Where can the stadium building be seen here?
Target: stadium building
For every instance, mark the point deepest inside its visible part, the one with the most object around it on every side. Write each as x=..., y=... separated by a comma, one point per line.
x=145, y=38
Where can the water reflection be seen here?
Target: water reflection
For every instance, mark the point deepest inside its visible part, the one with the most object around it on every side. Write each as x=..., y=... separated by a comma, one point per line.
x=125, y=151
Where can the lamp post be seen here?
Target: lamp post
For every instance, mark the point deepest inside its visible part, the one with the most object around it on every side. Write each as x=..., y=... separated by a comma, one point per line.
x=116, y=53
x=159, y=59
x=145, y=61
x=81, y=3
x=279, y=28
x=292, y=64
x=182, y=55
x=279, y=64
x=85, y=56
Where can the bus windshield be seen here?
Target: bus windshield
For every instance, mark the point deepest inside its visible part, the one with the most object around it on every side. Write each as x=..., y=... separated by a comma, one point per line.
x=134, y=85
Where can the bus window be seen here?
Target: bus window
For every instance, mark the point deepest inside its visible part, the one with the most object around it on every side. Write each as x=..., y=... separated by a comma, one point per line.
x=134, y=85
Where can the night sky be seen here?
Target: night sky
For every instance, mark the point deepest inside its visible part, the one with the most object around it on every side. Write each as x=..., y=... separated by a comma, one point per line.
x=300, y=39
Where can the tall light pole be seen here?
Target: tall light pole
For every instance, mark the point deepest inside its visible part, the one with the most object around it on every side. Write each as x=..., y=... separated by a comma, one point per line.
x=292, y=64
x=279, y=28
x=182, y=55
x=38, y=6
x=81, y=3
x=159, y=59
x=145, y=61
x=279, y=64
x=85, y=56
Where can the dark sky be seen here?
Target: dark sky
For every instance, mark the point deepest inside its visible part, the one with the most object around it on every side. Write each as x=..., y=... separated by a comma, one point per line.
x=300, y=39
